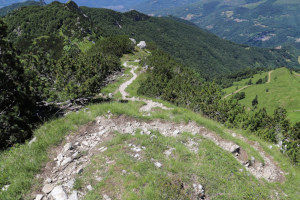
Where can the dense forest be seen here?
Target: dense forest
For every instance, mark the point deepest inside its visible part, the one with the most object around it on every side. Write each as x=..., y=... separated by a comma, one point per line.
x=46, y=67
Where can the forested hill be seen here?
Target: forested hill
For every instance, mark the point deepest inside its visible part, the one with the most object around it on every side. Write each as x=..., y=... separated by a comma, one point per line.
x=194, y=47
x=263, y=23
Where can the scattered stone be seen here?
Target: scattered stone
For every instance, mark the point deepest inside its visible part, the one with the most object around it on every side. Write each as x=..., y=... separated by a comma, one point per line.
x=270, y=147
x=68, y=147
x=89, y=187
x=39, y=197
x=136, y=149
x=176, y=132
x=199, y=191
x=133, y=41
x=85, y=143
x=110, y=95
x=102, y=149
x=105, y=197
x=70, y=183
x=235, y=148
x=48, y=180
x=80, y=170
x=153, y=137
x=66, y=161
x=60, y=157
x=58, y=193
x=169, y=152
x=99, y=179
x=142, y=45
x=124, y=172
x=47, y=188
x=158, y=164
x=74, y=195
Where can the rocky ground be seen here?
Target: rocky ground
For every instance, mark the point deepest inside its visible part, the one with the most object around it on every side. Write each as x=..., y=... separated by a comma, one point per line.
x=71, y=158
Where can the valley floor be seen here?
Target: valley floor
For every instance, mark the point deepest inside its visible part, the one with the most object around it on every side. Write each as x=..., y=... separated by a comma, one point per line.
x=141, y=148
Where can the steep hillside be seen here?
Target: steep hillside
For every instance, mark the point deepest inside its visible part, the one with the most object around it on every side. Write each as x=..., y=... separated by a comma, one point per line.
x=263, y=23
x=186, y=42
x=194, y=47
x=281, y=89
x=138, y=148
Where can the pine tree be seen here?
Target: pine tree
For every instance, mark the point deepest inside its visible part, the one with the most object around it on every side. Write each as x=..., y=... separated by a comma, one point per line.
x=15, y=104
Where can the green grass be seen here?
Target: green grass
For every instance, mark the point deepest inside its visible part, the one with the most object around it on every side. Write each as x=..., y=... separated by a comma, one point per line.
x=283, y=90
x=212, y=167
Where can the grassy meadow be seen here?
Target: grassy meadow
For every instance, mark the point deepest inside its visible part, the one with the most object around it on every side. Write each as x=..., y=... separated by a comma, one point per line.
x=283, y=90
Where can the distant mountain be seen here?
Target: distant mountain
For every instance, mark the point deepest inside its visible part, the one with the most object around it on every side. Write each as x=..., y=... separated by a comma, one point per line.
x=5, y=10
x=263, y=23
x=183, y=40
x=111, y=4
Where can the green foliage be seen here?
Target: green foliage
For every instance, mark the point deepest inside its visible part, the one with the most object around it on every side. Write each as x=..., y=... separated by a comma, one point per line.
x=187, y=43
x=255, y=101
x=177, y=84
x=16, y=105
x=239, y=96
x=263, y=23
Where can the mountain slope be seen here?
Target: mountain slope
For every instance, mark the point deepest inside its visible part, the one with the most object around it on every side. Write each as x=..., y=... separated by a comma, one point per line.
x=189, y=44
x=263, y=23
x=282, y=90
x=120, y=150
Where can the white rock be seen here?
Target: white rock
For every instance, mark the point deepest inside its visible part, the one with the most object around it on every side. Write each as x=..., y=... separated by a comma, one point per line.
x=89, y=187
x=103, y=149
x=169, y=152
x=85, y=143
x=68, y=147
x=136, y=149
x=5, y=188
x=74, y=195
x=142, y=45
x=47, y=188
x=270, y=147
x=39, y=197
x=234, y=148
x=176, y=132
x=158, y=164
x=60, y=157
x=58, y=193
x=66, y=161
x=70, y=183
x=105, y=197
x=48, y=180
x=133, y=41
x=32, y=141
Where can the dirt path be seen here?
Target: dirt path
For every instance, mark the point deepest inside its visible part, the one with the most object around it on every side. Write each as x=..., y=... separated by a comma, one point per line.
x=269, y=80
x=71, y=158
x=236, y=91
x=270, y=72
x=125, y=96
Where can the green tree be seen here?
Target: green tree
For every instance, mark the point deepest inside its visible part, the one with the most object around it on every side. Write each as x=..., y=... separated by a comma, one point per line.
x=255, y=101
x=16, y=106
